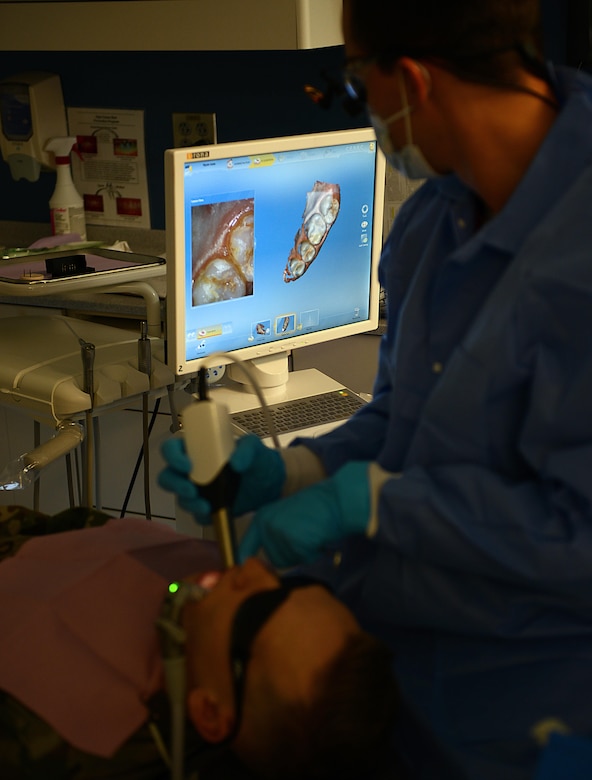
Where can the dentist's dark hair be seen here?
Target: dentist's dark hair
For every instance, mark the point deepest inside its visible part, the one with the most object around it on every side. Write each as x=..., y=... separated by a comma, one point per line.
x=478, y=40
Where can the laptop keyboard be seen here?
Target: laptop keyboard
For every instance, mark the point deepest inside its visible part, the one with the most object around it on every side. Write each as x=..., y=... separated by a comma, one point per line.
x=289, y=416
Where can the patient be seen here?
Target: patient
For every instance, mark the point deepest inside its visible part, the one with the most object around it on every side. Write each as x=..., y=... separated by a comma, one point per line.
x=283, y=675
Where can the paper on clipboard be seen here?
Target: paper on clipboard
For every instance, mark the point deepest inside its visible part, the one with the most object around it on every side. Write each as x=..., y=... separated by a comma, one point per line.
x=110, y=169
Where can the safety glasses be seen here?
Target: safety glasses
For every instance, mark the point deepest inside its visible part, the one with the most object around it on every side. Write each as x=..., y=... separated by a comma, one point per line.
x=353, y=82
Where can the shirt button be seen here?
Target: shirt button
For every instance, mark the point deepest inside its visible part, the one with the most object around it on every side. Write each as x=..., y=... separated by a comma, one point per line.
x=461, y=223
x=437, y=367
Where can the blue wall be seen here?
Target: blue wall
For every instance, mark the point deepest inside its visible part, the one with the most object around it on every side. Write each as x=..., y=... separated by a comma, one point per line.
x=254, y=94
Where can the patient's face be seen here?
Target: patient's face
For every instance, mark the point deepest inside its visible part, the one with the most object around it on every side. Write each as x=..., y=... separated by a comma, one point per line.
x=211, y=618
x=300, y=637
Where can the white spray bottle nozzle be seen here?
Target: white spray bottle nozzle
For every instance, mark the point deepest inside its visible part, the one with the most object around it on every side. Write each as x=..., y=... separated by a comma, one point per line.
x=61, y=147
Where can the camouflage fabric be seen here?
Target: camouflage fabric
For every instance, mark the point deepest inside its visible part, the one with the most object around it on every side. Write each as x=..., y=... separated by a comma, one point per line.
x=18, y=524
x=30, y=749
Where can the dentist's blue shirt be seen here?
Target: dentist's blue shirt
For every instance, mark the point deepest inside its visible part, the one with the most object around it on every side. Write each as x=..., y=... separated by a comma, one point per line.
x=480, y=575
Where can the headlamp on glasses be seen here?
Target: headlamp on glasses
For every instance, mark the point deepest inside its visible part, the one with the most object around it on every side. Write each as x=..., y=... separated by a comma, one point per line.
x=335, y=89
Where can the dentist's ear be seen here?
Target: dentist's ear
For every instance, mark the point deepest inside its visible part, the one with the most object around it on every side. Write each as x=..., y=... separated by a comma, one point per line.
x=418, y=80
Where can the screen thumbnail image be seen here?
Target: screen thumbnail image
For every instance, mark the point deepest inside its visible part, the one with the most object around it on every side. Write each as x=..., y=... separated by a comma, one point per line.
x=285, y=324
x=222, y=250
x=262, y=328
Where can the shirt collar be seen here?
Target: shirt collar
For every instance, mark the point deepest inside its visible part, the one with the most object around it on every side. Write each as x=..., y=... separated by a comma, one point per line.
x=565, y=152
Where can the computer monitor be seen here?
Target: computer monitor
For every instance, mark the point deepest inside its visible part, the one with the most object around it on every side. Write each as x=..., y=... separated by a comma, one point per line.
x=272, y=245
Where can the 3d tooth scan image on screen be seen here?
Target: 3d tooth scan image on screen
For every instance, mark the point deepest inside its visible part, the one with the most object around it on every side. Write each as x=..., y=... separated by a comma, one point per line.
x=322, y=208
x=273, y=244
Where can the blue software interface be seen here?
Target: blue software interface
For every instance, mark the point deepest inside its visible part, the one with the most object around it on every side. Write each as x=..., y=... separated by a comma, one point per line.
x=277, y=245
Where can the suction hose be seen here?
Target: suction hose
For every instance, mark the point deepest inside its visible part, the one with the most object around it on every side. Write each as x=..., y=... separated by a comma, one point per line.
x=23, y=471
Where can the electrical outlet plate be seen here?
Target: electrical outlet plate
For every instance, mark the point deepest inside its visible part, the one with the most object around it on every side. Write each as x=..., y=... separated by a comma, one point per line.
x=215, y=374
x=194, y=129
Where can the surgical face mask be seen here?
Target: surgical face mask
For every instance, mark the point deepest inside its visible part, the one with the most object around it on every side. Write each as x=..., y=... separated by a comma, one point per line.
x=409, y=160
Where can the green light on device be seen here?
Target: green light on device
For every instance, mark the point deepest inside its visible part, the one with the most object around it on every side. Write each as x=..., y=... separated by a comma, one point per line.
x=173, y=587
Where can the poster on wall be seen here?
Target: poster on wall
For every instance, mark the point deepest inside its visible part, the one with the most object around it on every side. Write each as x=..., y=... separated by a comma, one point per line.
x=109, y=165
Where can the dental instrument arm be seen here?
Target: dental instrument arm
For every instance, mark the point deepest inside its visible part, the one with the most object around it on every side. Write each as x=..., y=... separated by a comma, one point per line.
x=172, y=642
x=144, y=350
x=88, y=379
x=88, y=367
x=151, y=299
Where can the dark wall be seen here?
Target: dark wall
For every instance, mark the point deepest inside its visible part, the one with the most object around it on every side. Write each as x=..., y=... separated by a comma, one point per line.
x=254, y=94
x=567, y=29
x=579, y=33
x=554, y=29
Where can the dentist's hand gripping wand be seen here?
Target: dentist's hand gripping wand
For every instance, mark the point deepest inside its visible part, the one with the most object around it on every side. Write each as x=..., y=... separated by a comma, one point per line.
x=209, y=442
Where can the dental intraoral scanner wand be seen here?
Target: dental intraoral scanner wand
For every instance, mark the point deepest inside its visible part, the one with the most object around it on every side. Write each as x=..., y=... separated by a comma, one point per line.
x=210, y=442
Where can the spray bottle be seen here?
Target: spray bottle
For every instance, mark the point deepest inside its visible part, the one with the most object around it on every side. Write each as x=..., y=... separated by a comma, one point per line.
x=66, y=204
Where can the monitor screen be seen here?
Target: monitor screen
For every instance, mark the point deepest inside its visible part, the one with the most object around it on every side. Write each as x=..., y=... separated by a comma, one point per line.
x=272, y=245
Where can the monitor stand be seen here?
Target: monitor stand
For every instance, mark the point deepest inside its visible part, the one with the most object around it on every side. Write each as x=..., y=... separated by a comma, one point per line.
x=270, y=372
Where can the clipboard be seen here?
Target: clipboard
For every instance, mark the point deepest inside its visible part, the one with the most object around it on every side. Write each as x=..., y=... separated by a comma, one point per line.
x=44, y=273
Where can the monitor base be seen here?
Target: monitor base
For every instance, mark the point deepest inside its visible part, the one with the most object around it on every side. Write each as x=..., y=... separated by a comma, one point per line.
x=300, y=384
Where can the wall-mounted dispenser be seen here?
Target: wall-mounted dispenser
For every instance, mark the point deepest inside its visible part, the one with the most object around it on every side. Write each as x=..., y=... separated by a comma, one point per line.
x=31, y=112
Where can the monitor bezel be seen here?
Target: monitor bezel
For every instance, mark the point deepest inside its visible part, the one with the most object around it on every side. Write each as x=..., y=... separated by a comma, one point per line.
x=175, y=160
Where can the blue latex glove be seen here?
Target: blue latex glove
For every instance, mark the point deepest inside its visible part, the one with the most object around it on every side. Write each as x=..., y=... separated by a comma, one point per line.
x=262, y=469
x=296, y=529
